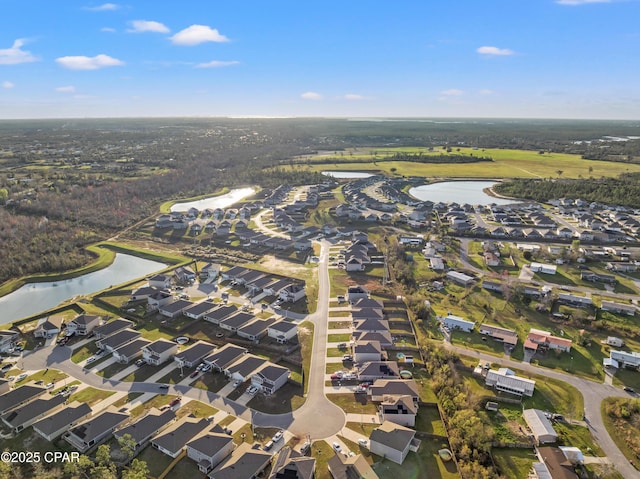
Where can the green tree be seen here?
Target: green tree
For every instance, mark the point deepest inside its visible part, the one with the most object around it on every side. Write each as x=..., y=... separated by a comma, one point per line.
x=137, y=470
x=127, y=445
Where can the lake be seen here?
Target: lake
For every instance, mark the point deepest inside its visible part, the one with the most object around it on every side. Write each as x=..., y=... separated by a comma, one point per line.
x=213, y=202
x=458, y=191
x=347, y=174
x=35, y=297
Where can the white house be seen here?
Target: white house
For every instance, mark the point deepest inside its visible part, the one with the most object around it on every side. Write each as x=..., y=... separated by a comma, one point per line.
x=623, y=359
x=282, y=331
x=505, y=380
x=540, y=426
x=270, y=378
x=620, y=308
x=452, y=323
x=543, y=268
x=393, y=441
x=209, y=450
x=398, y=410
x=159, y=351
x=460, y=278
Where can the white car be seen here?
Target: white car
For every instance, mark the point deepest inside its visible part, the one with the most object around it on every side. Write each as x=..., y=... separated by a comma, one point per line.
x=363, y=442
x=50, y=386
x=21, y=377
x=277, y=436
x=336, y=447
x=252, y=390
x=91, y=359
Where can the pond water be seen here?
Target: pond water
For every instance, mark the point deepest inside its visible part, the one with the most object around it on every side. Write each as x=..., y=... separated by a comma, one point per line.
x=35, y=297
x=458, y=191
x=213, y=202
x=347, y=174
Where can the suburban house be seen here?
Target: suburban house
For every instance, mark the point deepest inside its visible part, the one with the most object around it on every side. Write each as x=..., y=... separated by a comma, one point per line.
x=112, y=327
x=175, y=308
x=256, y=330
x=199, y=310
x=618, y=308
x=160, y=281
x=507, y=336
x=460, y=278
x=543, y=268
x=5, y=386
x=393, y=387
x=364, y=351
x=20, y=396
x=158, y=299
x=84, y=324
x=191, y=356
x=371, y=325
x=354, y=293
x=378, y=370
x=553, y=464
x=143, y=429
x=614, y=341
x=270, y=378
x=244, y=367
x=342, y=467
x=209, y=450
x=48, y=327
x=393, y=441
x=159, y=351
x=383, y=337
x=623, y=359
x=117, y=340
x=399, y=410
x=538, y=338
x=574, y=300
x=23, y=417
x=131, y=350
x=540, y=426
x=245, y=462
x=54, y=425
x=8, y=340
x=292, y=293
x=290, y=464
x=236, y=321
x=184, y=274
x=210, y=271
x=224, y=357
x=173, y=440
x=282, y=331
x=456, y=323
x=92, y=432
x=494, y=286
x=220, y=313
x=505, y=380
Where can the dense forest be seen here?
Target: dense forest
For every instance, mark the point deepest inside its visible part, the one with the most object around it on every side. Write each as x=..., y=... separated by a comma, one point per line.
x=400, y=156
x=624, y=190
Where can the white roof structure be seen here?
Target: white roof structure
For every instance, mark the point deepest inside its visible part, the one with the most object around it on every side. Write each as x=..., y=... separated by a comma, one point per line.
x=505, y=380
x=540, y=426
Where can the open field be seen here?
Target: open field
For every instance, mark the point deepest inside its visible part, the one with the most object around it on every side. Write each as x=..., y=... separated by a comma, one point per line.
x=505, y=164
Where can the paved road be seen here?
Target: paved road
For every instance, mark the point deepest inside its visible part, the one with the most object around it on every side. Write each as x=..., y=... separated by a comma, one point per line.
x=593, y=393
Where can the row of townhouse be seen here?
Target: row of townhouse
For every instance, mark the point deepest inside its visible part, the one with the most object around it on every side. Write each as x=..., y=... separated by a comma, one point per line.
x=259, y=282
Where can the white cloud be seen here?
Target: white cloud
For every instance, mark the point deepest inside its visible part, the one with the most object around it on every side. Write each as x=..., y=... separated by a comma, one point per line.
x=494, y=51
x=311, y=95
x=452, y=92
x=108, y=29
x=486, y=91
x=354, y=97
x=197, y=34
x=217, y=64
x=66, y=89
x=580, y=2
x=140, y=26
x=15, y=54
x=8, y=84
x=105, y=7
x=88, y=63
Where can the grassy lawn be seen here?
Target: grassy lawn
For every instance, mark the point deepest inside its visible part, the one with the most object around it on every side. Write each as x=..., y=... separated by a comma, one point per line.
x=363, y=428
x=578, y=436
x=322, y=452
x=426, y=463
x=84, y=352
x=556, y=396
x=339, y=324
x=619, y=416
x=156, y=460
x=112, y=369
x=514, y=463
x=197, y=408
x=429, y=420
x=157, y=401
x=286, y=399
x=331, y=368
x=129, y=397
x=305, y=337
x=227, y=420
x=142, y=373
x=335, y=352
x=90, y=395
x=50, y=376
x=338, y=338
x=210, y=381
x=186, y=467
x=354, y=403
x=478, y=341
x=339, y=314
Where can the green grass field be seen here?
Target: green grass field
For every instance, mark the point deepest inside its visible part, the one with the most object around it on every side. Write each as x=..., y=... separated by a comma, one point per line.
x=505, y=164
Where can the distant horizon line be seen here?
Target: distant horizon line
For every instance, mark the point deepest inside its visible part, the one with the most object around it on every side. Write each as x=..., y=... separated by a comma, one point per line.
x=322, y=117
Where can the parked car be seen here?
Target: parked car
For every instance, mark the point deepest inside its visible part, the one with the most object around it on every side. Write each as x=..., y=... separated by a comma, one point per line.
x=140, y=362
x=21, y=377
x=50, y=386
x=252, y=390
x=236, y=383
x=629, y=390
x=175, y=402
x=277, y=436
x=268, y=446
x=347, y=357
x=91, y=359
x=163, y=386
x=336, y=447
x=194, y=374
x=363, y=442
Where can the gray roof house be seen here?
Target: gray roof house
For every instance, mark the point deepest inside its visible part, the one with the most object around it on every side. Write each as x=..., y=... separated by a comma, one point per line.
x=244, y=463
x=540, y=426
x=392, y=387
x=194, y=354
x=175, y=308
x=131, y=350
x=20, y=396
x=159, y=351
x=244, y=367
x=117, y=340
x=92, y=432
x=399, y=410
x=151, y=424
x=237, y=321
x=209, y=450
x=282, y=331
x=225, y=356
x=218, y=314
x=290, y=464
x=112, y=327
x=18, y=419
x=256, y=330
x=198, y=310
x=48, y=327
x=52, y=426
x=393, y=441
x=172, y=441
x=8, y=339
x=84, y=324
x=379, y=370
x=270, y=378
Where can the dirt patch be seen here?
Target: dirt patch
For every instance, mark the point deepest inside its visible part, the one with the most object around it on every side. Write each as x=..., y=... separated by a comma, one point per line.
x=283, y=267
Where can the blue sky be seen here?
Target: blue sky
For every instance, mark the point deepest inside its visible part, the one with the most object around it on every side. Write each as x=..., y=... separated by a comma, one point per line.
x=417, y=58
